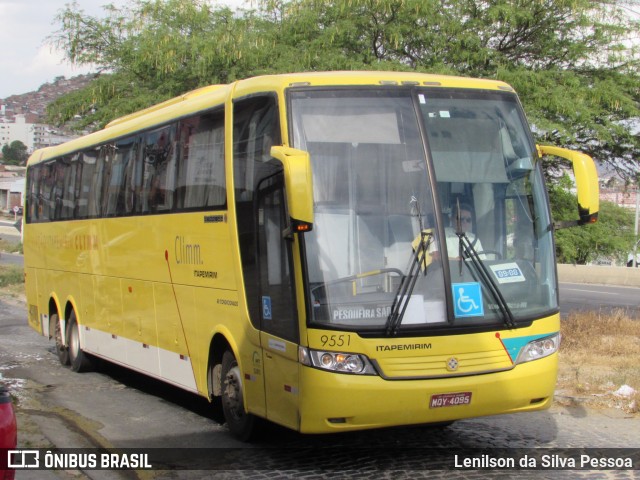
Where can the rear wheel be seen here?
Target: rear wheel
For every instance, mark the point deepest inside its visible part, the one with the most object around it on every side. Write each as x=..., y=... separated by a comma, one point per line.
x=241, y=423
x=61, y=350
x=215, y=393
x=80, y=362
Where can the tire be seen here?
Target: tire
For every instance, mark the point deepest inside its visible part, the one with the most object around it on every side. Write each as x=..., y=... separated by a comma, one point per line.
x=242, y=424
x=216, y=413
x=80, y=361
x=61, y=350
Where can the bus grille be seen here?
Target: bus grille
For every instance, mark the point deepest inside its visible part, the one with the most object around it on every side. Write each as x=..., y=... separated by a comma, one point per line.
x=434, y=366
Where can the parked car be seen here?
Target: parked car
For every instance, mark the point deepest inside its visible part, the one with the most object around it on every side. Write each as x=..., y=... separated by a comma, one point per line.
x=8, y=432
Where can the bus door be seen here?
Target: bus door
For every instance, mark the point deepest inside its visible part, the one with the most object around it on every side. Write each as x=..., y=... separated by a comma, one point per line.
x=279, y=334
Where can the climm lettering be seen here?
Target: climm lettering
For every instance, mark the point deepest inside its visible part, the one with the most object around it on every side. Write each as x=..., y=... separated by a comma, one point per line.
x=187, y=253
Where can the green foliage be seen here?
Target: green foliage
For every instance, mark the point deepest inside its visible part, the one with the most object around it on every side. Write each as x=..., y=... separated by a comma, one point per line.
x=15, y=153
x=10, y=275
x=570, y=60
x=610, y=237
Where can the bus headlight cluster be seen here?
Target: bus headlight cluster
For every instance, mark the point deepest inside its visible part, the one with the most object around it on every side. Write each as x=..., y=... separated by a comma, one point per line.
x=336, y=361
x=536, y=349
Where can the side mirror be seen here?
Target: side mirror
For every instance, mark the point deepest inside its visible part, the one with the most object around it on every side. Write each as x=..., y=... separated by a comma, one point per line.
x=586, y=176
x=298, y=185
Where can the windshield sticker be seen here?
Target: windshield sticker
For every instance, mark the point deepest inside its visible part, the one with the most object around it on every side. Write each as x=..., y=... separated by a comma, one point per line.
x=508, y=273
x=358, y=312
x=467, y=300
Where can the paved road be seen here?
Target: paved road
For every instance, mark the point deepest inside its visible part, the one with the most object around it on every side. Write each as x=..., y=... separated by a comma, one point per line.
x=116, y=408
x=576, y=297
x=11, y=259
x=9, y=232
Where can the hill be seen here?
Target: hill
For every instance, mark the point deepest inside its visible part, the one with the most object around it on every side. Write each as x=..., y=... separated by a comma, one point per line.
x=33, y=104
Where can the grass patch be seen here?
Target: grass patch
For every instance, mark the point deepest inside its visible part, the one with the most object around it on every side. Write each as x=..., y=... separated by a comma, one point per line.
x=10, y=275
x=11, y=282
x=10, y=247
x=599, y=354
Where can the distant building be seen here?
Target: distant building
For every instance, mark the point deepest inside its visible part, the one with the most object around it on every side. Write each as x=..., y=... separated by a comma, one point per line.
x=33, y=135
x=12, y=185
x=615, y=191
x=18, y=130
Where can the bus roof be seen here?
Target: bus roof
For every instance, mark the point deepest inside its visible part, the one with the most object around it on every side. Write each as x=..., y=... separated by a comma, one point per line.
x=210, y=96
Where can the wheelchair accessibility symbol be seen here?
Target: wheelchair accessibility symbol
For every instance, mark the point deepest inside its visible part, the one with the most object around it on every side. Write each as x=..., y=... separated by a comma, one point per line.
x=467, y=300
x=266, y=308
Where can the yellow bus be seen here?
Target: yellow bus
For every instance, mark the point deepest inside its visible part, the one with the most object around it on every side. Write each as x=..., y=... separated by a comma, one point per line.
x=328, y=251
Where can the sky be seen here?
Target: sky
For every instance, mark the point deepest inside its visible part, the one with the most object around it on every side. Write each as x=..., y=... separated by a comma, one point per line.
x=26, y=61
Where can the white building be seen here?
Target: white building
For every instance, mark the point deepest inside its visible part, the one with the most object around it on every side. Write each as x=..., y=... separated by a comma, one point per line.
x=18, y=130
x=12, y=185
x=33, y=135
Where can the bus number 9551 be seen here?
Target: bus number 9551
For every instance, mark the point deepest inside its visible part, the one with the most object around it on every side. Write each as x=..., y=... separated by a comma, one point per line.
x=335, y=340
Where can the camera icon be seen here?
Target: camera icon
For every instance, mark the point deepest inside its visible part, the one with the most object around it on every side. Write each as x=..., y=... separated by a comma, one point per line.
x=19, y=459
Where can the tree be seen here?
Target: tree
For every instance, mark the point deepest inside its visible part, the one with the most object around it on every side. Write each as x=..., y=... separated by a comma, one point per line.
x=570, y=60
x=611, y=236
x=15, y=153
x=154, y=50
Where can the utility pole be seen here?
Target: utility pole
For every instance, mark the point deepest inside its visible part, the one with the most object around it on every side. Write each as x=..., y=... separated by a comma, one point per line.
x=634, y=264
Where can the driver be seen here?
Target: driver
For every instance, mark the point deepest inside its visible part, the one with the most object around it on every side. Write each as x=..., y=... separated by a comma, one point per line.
x=462, y=217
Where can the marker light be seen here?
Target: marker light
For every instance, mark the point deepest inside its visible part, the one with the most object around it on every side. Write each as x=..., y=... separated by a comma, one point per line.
x=336, y=361
x=536, y=349
x=301, y=227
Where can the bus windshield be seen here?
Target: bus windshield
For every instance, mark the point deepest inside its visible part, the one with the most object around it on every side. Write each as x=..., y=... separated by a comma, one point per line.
x=429, y=209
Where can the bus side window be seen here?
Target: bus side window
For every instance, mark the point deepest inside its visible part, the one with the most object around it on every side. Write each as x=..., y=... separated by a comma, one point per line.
x=117, y=202
x=153, y=175
x=61, y=168
x=33, y=199
x=200, y=176
x=72, y=187
x=89, y=202
x=46, y=191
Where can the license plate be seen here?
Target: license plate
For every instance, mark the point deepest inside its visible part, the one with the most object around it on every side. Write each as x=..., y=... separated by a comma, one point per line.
x=450, y=399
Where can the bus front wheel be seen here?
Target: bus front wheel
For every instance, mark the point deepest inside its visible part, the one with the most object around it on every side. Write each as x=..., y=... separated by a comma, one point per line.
x=240, y=423
x=62, y=350
x=79, y=360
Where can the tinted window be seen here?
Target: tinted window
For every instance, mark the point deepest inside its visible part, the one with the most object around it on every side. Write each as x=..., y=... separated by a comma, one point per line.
x=154, y=174
x=119, y=181
x=200, y=179
x=168, y=169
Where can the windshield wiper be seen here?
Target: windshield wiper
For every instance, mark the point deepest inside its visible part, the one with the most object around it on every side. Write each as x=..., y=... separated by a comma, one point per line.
x=419, y=261
x=469, y=251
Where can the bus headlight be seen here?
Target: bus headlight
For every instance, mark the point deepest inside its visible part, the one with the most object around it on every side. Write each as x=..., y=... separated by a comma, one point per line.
x=336, y=361
x=540, y=348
